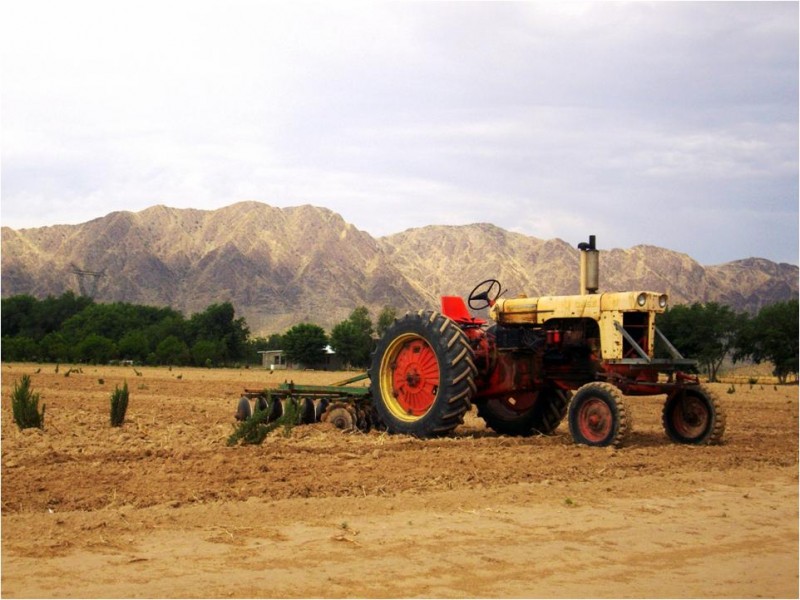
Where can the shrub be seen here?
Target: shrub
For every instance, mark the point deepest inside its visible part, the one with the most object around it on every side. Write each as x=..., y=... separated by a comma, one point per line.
x=255, y=428
x=25, y=405
x=119, y=404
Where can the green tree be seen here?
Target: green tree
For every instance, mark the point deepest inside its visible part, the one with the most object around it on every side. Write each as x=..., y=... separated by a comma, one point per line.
x=352, y=338
x=134, y=346
x=172, y=351
x=52, y=312
x=305, y=343
x=55, y=348
x=72, y=327
x=217, y=324
x=274, y=342
x=207, y=353
x=25, y=315
x=705, y=332
x=772, y=335
x=385, y=319
x=96, y=349
x=16, y=313
x=168, y=326
x=105, y=320
x=20, y=348
x=115, y=320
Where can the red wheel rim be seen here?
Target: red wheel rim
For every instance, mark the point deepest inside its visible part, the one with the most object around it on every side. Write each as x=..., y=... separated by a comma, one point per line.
x=415, y=377
x=690, y=417
x=595, y=420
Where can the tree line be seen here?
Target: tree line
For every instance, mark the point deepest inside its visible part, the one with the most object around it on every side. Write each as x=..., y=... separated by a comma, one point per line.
x=712, y=332
x=72, y=328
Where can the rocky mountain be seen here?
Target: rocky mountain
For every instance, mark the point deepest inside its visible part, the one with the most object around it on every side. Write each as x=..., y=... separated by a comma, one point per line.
x=282, y=266
x=538, y=267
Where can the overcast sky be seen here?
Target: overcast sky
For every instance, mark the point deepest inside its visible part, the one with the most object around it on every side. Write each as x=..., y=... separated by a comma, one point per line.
x=672, y=124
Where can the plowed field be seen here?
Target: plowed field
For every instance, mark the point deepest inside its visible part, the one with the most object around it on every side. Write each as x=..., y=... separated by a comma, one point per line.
x=162, y=507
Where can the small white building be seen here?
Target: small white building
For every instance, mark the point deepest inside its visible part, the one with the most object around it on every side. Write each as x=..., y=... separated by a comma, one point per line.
x=276, y=360
x=273, y=359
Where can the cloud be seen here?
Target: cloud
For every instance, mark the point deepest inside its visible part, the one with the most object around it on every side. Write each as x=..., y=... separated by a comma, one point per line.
x=666, y=123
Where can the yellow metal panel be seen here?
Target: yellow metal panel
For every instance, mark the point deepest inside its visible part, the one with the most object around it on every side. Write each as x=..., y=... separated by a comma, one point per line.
x=535, y=311
x=626, y=301
x=651, y=337
x=569, y=307
x=610, y=338
x=515, y=311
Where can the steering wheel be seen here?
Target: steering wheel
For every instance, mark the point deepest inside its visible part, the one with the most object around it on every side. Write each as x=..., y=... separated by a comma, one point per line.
x=484, y=294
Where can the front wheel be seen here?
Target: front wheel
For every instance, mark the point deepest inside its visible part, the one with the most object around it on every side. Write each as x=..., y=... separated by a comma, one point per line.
x=597, y=415
x=694, y=415
x=422, y=375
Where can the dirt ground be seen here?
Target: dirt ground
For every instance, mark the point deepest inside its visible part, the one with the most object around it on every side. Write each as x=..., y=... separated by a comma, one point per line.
x=162, y=507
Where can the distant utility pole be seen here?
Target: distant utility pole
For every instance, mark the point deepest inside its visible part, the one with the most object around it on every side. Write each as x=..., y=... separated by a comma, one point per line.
x=83, y=276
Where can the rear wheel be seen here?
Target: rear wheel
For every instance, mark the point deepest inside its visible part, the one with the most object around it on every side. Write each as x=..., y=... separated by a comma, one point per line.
x=422, y=375
x=528, y=413
x=694, y=416
x=597, y=415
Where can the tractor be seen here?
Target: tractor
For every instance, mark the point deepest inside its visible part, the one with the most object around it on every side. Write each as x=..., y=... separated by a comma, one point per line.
x=540, y=360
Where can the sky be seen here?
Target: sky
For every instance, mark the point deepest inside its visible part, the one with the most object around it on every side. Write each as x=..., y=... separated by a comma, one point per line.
x=673, y=124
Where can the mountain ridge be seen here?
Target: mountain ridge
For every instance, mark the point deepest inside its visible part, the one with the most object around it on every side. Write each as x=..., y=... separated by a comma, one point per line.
x=282, y=266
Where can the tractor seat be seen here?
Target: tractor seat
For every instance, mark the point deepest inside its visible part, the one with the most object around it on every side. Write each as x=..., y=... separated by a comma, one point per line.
x=455, y=308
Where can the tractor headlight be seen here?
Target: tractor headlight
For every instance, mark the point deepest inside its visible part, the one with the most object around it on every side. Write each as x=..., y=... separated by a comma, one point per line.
x=641, y=299
x=662, y=301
